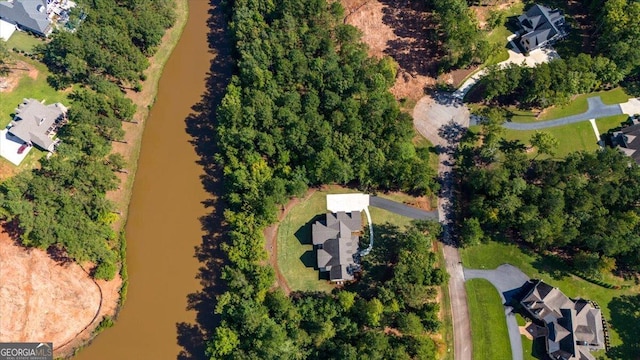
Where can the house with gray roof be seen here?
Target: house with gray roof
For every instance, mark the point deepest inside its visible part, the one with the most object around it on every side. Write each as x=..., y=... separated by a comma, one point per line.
x=336, y=244
x=36, y=123
x=541, y=26
x=29, y=15
x=571, y=328
x=627, y=140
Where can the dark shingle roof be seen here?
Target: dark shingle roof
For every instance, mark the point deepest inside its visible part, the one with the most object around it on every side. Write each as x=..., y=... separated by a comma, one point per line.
x=541, y=25
x=628, y=141
x=336, y=243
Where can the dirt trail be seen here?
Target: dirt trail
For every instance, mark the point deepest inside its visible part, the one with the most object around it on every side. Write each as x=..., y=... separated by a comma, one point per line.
x=271, y=240
x=45, y=300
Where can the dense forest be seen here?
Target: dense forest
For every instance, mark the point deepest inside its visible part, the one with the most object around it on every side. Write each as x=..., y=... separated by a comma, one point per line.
x=62, y=203
x=584, y=206
x=307, y=107
x=615, y=59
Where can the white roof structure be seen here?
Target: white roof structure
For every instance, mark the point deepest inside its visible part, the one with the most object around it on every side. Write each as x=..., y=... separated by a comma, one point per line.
x=347, y=202
x=6, y=29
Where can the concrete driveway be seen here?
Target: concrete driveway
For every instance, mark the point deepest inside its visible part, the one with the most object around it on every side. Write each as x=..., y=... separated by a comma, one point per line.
x=596, y=109
x=9, y=146
x=507, y=279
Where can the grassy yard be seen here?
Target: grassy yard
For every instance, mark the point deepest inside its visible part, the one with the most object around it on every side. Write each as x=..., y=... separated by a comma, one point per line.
x=296, y=258
x=556, y=273
x=498, y=36
x=578, y=104
x=421, y=142
x=28, y=87
x=610, y=122
x=23, y=41
x=488, y=322
x=573, y=137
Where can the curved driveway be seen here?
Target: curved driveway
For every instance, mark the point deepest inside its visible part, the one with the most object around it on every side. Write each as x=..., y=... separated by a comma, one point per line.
x=596, y=109
x=507, y=279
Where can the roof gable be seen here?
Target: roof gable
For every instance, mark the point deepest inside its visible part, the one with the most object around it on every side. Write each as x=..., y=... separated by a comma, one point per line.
x=30, y=14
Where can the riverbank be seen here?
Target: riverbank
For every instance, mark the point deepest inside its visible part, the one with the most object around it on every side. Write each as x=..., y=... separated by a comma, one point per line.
x=48, y=297
x=143, y=100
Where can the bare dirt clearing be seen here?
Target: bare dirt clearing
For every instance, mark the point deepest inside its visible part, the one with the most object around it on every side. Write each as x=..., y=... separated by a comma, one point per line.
x=16, y=72
x=404, y=31
x=42, y=299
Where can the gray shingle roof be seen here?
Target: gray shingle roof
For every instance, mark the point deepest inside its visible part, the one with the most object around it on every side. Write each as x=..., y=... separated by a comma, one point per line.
x=573, y=327
x=628, y=139
x=336, y=243
x=28, y=14
x=540, y=25
x=33, y=121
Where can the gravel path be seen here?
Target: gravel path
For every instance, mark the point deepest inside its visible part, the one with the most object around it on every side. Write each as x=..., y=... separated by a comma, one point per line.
x=596, y=109
x=507, y=279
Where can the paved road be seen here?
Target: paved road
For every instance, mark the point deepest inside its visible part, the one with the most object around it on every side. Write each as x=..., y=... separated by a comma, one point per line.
x=507, y=279
x=402, y=209
x=442, y=120
x=596, y=109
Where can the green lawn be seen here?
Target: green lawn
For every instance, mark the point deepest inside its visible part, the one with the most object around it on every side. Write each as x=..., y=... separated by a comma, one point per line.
x=578, y=105
x=296, y=258
x=610, y=122
x=37, y=88
x=421, y=142
x=498, y=36
x=488, y=322
x=556, y=273
x=573, y=137
x=23, y=41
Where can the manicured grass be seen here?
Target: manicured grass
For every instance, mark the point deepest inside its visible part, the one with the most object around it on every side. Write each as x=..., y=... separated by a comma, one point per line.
x=610, y=122
x=421, y=142
x=573, y=137
x=37, y=88
x=488, y=322
x=578, y=105
x=296, y=258
x=498, y=36
x=445, y=345
x=554, y=272
x=23, y=41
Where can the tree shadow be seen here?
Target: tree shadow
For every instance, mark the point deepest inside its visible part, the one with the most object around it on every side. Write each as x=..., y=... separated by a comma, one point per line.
x=625, y=319
x=200, y=125
x=553, y=265
x=416, y=49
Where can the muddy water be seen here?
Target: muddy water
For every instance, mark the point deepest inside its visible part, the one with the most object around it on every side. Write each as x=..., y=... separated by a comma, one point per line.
x=163, y=226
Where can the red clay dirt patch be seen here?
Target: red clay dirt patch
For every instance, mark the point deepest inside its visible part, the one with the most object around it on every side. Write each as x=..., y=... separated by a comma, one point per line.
x=401, y=30
x=45, y=300
x=16, y=72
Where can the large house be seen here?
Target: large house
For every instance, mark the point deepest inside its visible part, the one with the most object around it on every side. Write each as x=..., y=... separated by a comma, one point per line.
x=571, y=328
x=36, y=123
x=627, y=140
x=29, y=15
x=336, y=243
x=540, y=26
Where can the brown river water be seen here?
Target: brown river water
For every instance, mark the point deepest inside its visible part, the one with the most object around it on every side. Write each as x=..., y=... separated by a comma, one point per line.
x=163, y=227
